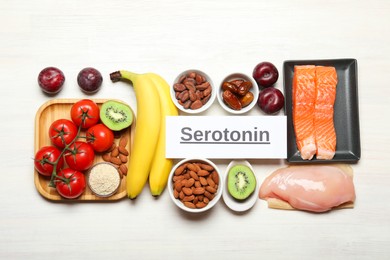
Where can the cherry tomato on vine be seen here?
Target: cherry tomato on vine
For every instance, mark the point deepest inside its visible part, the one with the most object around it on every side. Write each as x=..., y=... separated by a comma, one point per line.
x=100, y=137
x=62, y=132
x=70, y=183
x=45, y=158
x=85, y=112
x=79, y=156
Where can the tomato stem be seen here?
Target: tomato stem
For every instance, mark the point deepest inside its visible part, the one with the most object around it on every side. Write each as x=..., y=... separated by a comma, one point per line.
x=54, y=174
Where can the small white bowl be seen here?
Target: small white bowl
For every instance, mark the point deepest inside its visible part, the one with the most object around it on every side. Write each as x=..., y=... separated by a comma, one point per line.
x=254, y=90
x=178, y=201
x=232, y=203
x=107, y=178
x=205, y=106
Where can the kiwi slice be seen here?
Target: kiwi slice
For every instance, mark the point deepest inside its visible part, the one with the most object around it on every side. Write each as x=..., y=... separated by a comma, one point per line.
x=241, y=182
x=116, y=115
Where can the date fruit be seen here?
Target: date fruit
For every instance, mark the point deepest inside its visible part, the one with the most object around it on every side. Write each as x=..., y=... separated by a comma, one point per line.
x=231, y=100
x=271, y=100
x=237, y=93
x=247, y=99
x=230, y=86
x=244, y=88
x=265, y=74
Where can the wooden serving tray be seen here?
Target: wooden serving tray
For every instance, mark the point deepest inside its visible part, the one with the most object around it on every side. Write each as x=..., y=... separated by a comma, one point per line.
x=46, y=114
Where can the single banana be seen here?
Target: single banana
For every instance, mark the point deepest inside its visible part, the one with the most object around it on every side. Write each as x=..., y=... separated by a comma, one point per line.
x=161, y=166
x=147, y=129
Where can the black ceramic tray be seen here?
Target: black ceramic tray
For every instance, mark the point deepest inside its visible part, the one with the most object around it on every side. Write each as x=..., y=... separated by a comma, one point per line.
x=346, y=116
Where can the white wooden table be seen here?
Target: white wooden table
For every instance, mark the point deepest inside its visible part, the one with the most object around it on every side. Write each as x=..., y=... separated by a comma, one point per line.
x=168, y=37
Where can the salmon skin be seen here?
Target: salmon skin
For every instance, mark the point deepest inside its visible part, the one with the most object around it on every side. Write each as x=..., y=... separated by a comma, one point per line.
x=313, y=97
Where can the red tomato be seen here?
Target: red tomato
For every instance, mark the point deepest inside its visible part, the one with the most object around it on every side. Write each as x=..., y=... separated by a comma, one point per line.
x=85, y=113
x=62, y=132
x=70, y=183
x=80, y=156
x=100, y=137
x=45, y=158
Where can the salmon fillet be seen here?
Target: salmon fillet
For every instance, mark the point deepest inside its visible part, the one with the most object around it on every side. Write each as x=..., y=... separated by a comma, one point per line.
x=303, y=97
x=313, y=96
x=325, y=134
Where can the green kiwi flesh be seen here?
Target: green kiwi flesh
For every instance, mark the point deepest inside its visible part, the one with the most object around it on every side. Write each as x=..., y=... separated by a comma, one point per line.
x=241, y=181
x=116, y=115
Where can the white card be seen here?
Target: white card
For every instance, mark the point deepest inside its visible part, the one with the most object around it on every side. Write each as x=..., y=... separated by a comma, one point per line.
x=235, y=137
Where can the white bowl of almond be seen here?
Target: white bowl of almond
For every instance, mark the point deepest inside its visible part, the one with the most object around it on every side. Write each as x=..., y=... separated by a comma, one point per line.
x=195, y=185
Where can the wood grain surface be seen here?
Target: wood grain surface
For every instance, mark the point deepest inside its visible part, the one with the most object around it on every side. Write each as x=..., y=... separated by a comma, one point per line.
x=60, y=109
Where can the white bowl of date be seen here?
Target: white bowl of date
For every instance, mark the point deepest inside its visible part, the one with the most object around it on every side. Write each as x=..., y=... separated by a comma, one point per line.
x=244, y=103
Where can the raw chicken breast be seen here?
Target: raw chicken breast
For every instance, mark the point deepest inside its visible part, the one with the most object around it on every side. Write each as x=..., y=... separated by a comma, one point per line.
x=316, y=188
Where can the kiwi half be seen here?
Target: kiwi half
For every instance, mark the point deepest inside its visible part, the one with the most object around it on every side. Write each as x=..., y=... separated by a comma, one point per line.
x=241, y=182
x=116, y=115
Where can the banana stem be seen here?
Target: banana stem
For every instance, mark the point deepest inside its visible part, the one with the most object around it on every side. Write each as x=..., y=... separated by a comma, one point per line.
x=121, y=74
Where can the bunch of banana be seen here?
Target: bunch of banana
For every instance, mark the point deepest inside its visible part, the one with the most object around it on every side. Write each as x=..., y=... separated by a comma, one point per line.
x=161, y=166
x=147, y=158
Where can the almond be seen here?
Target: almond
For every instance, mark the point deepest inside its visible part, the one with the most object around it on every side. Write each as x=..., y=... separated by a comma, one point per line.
x=187, y=191
x=206, y=167
x=190, y=182
x=115, y=152
x=194, y=175
x=180, y=170
x=193, y=167
x=208, y=195
x=123, y=169
x=203, y=181
x=106, y=157
x=196, y=200
x=186, y=176
x=181, y=195
x=189, y=198
x=215, y=177
x=192, y=75
x=198, y=191
x=199, y=79
x=200, y=205
x=176, y=194
x=116, y=160
x=177, y=178
x=203, y=173
x=123, y=158
x=123, y=150
x=210, y=181
x=211, y=189
x=189, y=205
x=178, y=186
x=120, y=173
x=123, y=141
x=196, y=104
